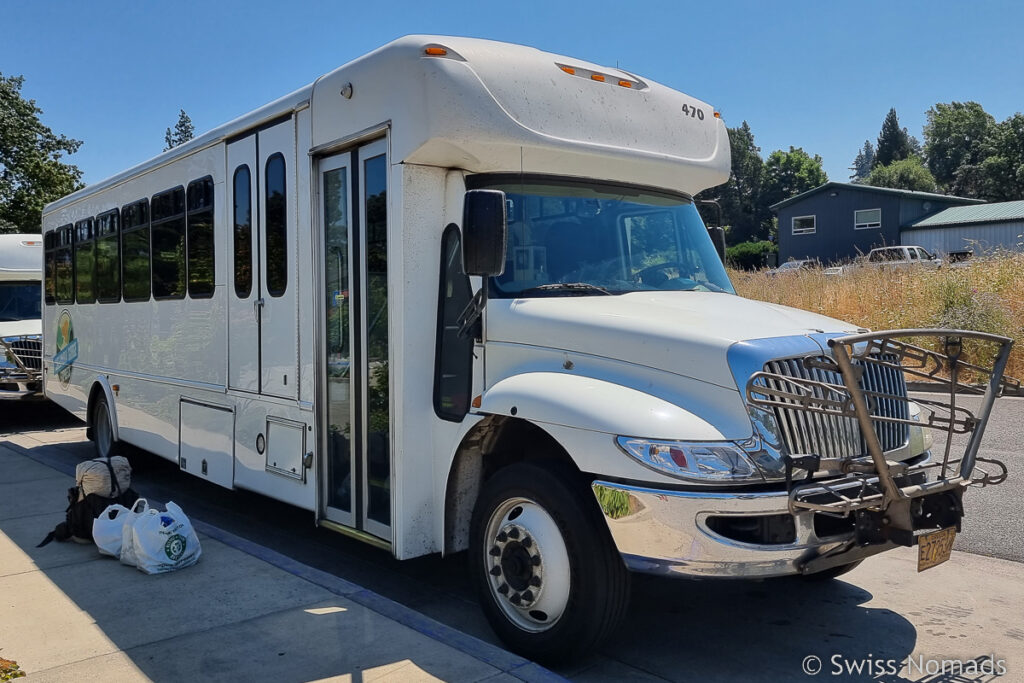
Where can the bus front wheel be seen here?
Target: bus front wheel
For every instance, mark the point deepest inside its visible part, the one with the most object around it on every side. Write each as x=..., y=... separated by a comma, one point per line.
x=549, y=579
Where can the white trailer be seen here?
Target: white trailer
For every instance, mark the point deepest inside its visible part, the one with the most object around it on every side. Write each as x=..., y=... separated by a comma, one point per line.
x=21, y=324
x=456, y=294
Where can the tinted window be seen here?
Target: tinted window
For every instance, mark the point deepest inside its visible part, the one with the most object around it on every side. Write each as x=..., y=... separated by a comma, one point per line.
x=85, y=262
x=453, y=369
x=63, y=268
x=135, y=250
x=200, y=238
x=277, y=227
x=108, y=257
x=243, y=231
x=168, y=231
x=50, y=275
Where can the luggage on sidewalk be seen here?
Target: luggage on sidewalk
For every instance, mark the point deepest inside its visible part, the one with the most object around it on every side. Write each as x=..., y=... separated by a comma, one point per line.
x=98, y=484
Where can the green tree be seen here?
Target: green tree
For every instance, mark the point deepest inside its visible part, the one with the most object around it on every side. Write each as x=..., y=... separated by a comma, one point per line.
x=893, y=141
x=954, y=144
x=182, y=133
x=787, y=174
x=862, y=162
x=739, y=197
x=905, y=174
x=31, y=172
x=1003, y=167
x=750, y=255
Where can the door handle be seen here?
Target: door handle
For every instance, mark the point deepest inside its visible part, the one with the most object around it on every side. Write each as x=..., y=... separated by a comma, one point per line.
x=257, y=306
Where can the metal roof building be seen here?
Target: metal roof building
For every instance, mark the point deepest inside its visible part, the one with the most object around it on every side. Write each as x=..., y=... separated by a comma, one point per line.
x=963, y=229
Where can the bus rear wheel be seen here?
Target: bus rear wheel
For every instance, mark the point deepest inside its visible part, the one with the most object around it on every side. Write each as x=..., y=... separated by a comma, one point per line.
x=549, y=579
x=102, y=428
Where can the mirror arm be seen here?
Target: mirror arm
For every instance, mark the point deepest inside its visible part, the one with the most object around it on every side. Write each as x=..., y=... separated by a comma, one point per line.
x=469, y=319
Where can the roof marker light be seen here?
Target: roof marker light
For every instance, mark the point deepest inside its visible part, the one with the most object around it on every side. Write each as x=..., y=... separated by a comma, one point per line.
x=569, y=70
x=597, y=77
x=718, y=115
x=436, y=51
x=625, y=84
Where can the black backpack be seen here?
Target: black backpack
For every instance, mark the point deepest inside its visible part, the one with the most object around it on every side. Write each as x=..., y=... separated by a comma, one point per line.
x=78, y=518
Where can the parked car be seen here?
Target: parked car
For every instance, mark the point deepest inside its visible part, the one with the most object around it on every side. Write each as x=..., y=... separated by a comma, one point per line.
x=794, y=266
x=903, y=256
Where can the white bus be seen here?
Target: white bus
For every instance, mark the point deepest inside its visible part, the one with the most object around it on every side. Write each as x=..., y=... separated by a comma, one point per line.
x=456, y=294
x=21, y=327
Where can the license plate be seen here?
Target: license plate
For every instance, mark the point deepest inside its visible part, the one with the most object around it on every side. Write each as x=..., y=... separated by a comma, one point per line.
x=934, y=548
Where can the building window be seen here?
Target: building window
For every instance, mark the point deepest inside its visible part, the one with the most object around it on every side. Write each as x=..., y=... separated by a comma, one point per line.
x=867, y=218
x=803, y=225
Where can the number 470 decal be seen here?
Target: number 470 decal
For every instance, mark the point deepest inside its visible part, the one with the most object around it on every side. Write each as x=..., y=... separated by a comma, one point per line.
x=693, y=112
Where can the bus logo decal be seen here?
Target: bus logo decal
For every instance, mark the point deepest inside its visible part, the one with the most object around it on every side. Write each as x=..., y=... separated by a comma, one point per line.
x=67, y=349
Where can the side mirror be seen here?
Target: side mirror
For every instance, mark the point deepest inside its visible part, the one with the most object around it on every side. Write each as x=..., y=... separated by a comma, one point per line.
x=484, y=233
x=718, y=239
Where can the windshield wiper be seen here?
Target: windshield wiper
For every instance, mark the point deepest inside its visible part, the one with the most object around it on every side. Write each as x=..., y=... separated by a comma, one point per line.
x=581, y=288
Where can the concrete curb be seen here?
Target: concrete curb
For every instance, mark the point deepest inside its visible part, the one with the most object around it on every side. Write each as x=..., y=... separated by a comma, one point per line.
x=512, y=664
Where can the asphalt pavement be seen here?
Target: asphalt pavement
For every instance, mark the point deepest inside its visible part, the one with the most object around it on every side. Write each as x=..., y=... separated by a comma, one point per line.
x=675, y=630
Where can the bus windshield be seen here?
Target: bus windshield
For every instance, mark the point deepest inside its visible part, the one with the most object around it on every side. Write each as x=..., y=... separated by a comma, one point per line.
x=571, y=239
x=20, y=301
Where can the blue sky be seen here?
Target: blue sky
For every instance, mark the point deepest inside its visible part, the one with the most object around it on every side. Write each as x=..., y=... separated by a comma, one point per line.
x=818, y=75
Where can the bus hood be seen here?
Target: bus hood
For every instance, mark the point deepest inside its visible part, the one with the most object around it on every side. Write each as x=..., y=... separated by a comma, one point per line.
x=18, y=328
x=685, y=333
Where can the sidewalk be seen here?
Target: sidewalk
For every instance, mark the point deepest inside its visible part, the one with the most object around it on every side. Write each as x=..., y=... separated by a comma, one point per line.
x=243, y=613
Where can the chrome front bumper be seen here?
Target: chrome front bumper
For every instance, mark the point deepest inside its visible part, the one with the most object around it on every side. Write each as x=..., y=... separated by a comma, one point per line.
x=667, y=532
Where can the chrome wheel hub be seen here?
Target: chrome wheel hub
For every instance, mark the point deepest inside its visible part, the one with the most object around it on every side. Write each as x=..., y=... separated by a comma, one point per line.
x=527, y=564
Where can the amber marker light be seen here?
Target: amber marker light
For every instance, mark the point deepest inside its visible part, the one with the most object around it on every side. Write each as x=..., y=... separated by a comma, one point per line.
x=717, y=115
x=477, y=401
x=569, y=70
x=597, y=77
x=625, y=84
x=436, y=51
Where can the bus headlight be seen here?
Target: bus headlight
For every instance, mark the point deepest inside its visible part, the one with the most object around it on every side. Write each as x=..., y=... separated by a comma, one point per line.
x=718, y=461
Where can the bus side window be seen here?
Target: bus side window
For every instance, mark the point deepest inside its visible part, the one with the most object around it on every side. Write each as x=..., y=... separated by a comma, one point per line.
x=108, y=257
x=200, y=238
x=49, y=259
x=453, y=363
x=85, y=262
x=135, y=269
x=167, y=225
x=277, y=226
x=64, y=265
x=243, y=232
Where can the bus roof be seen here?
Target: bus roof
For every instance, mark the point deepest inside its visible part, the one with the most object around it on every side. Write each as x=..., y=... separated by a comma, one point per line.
x=487, y=106
x=21, y=257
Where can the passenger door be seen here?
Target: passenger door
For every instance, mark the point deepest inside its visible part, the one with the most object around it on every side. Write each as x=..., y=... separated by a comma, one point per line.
x=262, y=327
x=353, y=220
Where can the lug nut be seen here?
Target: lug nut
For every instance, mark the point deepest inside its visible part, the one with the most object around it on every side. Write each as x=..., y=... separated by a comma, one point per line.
x=503, y=589
x=527, y=541
x=495, y=570
x=535, y=560
x=516, y=599
x=528, y=595
x=502, y=537
x=513, y=533
x=495, y=551
x=535, y=581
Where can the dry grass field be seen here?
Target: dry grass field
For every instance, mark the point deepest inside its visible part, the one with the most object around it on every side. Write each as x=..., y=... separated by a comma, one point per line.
x=986, y=295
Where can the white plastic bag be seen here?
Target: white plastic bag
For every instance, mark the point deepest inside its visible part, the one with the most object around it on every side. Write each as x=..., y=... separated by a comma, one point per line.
x=164, y=541
x=127, y=542
x=108, y=529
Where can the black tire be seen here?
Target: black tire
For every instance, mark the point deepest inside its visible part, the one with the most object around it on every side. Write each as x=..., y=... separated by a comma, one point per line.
x=102, y=428
x=597, y=581
x=831, y=572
